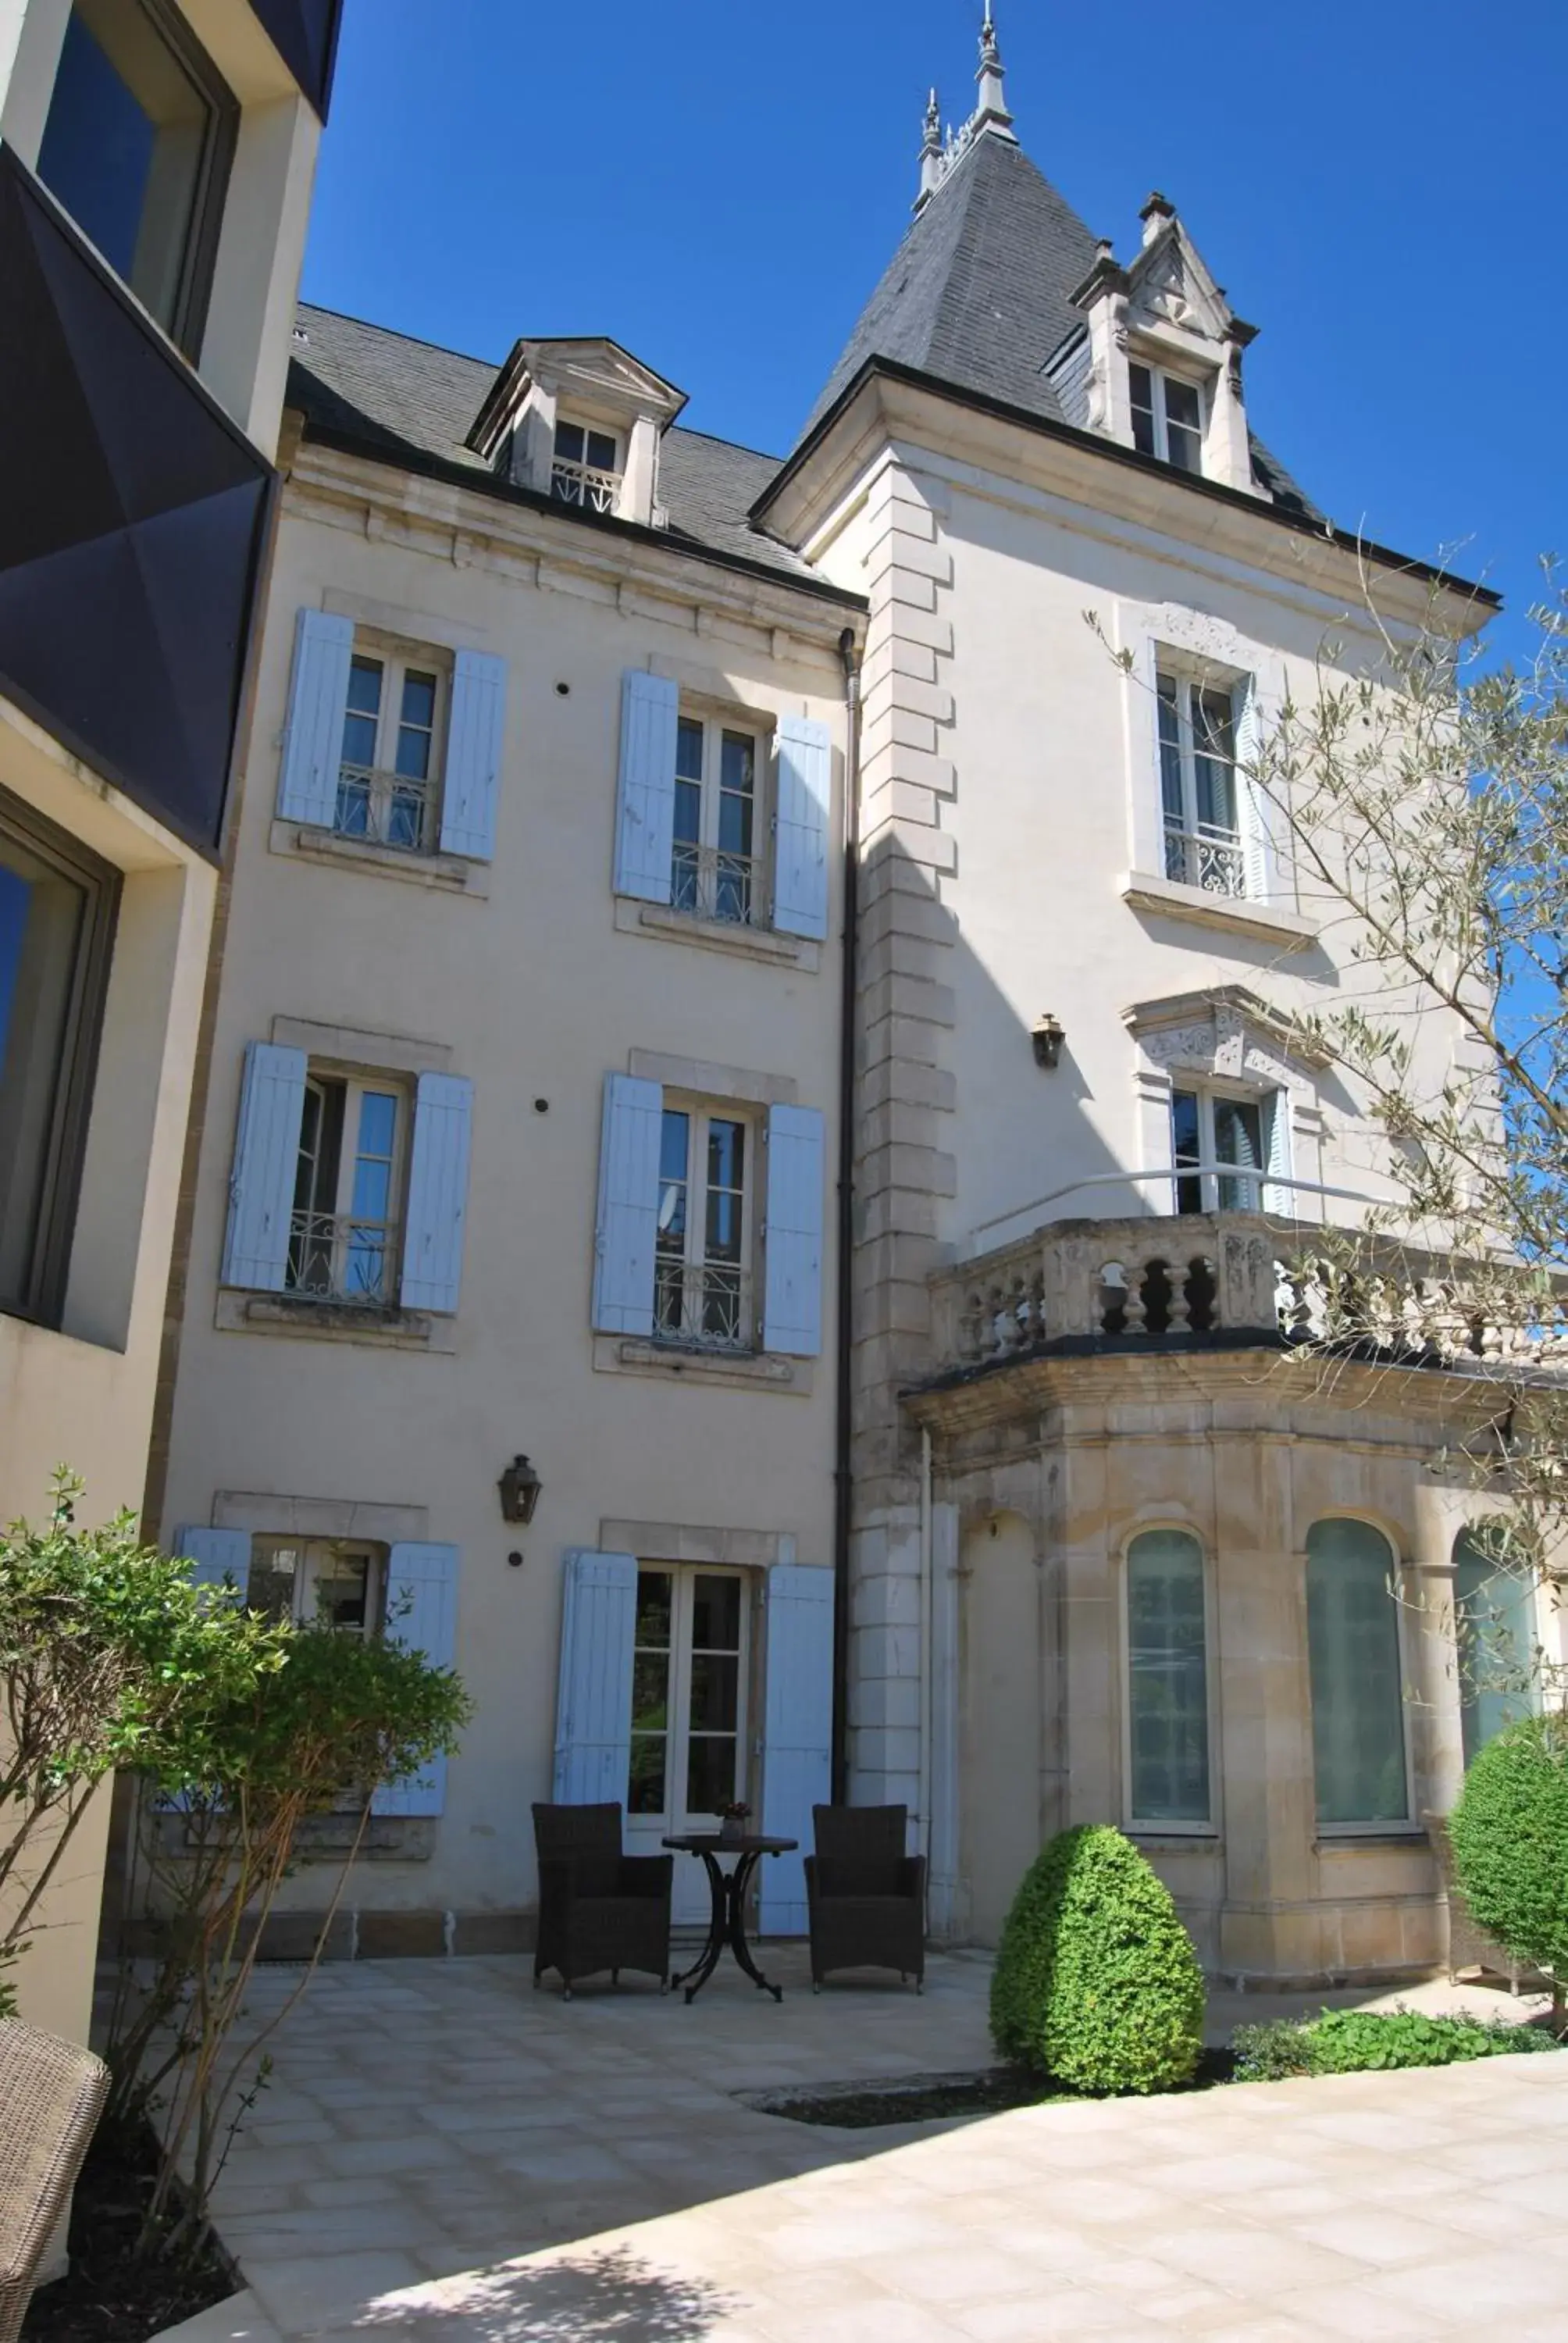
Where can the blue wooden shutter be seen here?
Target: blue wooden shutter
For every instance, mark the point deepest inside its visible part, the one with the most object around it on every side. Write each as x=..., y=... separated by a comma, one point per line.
x=627, y=1225
x=800, y=849
x=476, y=737
x=797, y=1732
x=215, y=1555
x=792, y=1238
x=593, y=1709
x=266, y=1166
x=1277, y=1153
x=1252, y=809
x=318, y=700
x=421, y=1615
x=437, y=1193
x=644, y=814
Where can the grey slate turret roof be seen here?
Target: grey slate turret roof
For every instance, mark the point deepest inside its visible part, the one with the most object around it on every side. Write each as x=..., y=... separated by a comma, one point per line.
x=977, y=295
x=977, y=292
x=410, y=403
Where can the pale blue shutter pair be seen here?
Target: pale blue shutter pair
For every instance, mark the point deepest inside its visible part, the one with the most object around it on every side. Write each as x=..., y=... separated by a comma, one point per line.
x=627, y=1232
x=593, y=1713
x=313, y=744
x=265, y=1161
x=421, y=1615
x=644, y=818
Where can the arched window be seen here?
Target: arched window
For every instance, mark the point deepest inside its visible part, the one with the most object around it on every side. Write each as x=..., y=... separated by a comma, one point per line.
x=1494, y=1624
x=1168, y=1679
x=1358, y=1708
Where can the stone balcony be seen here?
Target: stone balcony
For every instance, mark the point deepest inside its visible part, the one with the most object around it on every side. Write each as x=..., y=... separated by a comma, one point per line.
x=1225, y=1279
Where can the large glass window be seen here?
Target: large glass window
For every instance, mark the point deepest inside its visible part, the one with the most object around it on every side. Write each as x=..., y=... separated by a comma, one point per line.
x=1494, y=1623
x=343, y=1240
x=1358, y=1707
x=1198, y=785
x=387, y=781
x=56, y=921
x=713, y=865
x=688, y=1695
x=1168, y=1679
x=1217, y=1127
x=136, y=145
x=701, y=1285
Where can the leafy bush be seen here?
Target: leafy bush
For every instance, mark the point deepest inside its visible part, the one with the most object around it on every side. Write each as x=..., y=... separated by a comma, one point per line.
x=1510, y=1837
x=1356, y=2041
x=1097, y=1983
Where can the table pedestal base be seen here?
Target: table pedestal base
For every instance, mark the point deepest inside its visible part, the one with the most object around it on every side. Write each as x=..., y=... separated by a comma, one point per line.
x=726, y=1927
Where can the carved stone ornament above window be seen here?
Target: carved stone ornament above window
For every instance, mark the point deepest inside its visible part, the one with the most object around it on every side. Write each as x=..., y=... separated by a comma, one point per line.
x=1228, y=1034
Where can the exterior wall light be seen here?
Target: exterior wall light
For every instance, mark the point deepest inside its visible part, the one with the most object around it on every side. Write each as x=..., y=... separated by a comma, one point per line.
x=1048, y=1037
x=519, y=1486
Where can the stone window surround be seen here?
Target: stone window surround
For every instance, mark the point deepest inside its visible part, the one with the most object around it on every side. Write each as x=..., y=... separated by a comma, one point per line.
x=631, y=1354
x=241, y=1310
x=687, y=1542
x=1207, y=1834
x=268, y=1513
x=1223, y=1034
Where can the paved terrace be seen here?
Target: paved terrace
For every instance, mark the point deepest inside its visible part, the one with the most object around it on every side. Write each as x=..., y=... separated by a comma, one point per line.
x=447, y=2156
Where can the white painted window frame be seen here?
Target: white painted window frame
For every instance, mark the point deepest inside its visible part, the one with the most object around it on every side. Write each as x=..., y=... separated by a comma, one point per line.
x=701, y=1112
x=313, y=1553
x=1206, y=1832
x=677, y=1700
x=397, y=658
x=716, y=722
x=1160, y=375
x=1207, y=1091
x=357, y=1082
x=603, y=498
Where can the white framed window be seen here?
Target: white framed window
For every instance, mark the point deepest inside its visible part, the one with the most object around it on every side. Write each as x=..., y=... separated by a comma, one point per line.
x=344, y=1238
x=339, y=1583
x=703, y=1285
x=1360, y=1757
x=389, y=777
x=1198, y=785
x=1494, y=1630
x=587, y=467
x=1167, y=1638
x=1167, y=416
x=715, y=873
x=1213, y=1126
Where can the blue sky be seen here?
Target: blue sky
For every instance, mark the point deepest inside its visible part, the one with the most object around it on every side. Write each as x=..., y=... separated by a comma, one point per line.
x=1378, y=186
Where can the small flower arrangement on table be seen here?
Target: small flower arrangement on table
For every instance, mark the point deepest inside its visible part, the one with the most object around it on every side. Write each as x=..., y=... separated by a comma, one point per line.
x=733, y=1816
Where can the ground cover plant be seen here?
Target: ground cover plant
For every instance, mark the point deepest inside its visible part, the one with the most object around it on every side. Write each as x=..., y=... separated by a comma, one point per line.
x=1097, y=1984
x=1360, y=2041
x=1509, y=1832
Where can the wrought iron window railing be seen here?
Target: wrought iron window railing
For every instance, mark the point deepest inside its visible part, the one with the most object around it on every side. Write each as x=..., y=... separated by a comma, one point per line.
x=704, y=1306
x=584, y=484
x=712, y=884
x=342, y=1257
x=1207, y=857
x=389, y=808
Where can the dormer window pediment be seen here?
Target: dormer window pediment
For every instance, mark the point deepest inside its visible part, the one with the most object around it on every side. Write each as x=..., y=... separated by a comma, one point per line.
x=579, y=421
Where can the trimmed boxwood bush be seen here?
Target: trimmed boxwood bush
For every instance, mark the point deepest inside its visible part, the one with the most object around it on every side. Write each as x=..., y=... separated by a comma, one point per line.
x=1355, y=2041
x=1097, y=1984
x=1510, y=1837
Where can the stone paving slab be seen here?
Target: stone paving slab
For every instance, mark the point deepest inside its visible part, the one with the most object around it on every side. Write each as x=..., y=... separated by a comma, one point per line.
x=444, y=2154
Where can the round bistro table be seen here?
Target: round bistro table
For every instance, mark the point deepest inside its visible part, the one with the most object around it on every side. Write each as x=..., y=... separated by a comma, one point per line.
x=726, y=1925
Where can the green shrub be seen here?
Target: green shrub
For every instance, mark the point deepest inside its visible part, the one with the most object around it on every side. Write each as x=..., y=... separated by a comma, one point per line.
x=1356, y=2041
x=1097, y=1983
x=1509, y=1838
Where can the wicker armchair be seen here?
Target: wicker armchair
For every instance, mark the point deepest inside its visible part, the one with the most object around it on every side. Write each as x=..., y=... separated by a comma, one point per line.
x=865, y=1897
x=50, y=2096
x=599, y=1908
x=1469, y=1945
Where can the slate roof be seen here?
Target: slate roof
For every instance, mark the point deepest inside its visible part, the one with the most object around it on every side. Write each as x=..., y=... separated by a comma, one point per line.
x=412, y=402
x=977, y=295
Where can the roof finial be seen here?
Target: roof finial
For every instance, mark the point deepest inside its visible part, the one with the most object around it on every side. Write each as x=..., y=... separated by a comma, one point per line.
x=930, y=154
x=992, y=106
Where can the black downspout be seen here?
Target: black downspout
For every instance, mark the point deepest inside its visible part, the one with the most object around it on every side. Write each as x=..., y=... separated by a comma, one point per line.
x=843, y=1485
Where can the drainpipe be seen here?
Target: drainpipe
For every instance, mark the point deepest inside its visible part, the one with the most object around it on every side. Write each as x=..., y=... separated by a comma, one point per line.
x=928, y=1672
x=843, y=1488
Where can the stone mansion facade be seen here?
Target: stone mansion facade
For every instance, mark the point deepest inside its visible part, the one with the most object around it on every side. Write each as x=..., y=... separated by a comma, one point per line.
x=743, y=1023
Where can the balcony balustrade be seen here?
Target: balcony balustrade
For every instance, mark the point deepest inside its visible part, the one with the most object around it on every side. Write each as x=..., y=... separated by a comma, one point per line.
x=1172, y=1280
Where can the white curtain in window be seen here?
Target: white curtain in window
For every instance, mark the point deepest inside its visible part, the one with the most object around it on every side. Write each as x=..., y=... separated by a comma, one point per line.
x=1168, y=1688
x=1358, y=1711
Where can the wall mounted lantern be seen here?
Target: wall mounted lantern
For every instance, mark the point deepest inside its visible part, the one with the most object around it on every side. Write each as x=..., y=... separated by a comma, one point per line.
x=1048, y=1037
x=519, y=1486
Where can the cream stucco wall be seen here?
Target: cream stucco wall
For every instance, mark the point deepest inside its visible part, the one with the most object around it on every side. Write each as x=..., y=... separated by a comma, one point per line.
x=82, y=1393
x=537, y=982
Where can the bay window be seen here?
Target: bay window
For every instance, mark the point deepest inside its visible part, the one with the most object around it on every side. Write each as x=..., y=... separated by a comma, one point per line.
x=1167, y=1682
x=1358, y=1700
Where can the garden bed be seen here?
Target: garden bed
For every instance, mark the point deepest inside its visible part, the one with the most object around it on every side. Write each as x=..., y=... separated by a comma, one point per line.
x=112, y=2293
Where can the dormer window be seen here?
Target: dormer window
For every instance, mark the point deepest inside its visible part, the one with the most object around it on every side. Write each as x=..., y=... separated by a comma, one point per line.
x=586, y=469
x=1167, y=417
